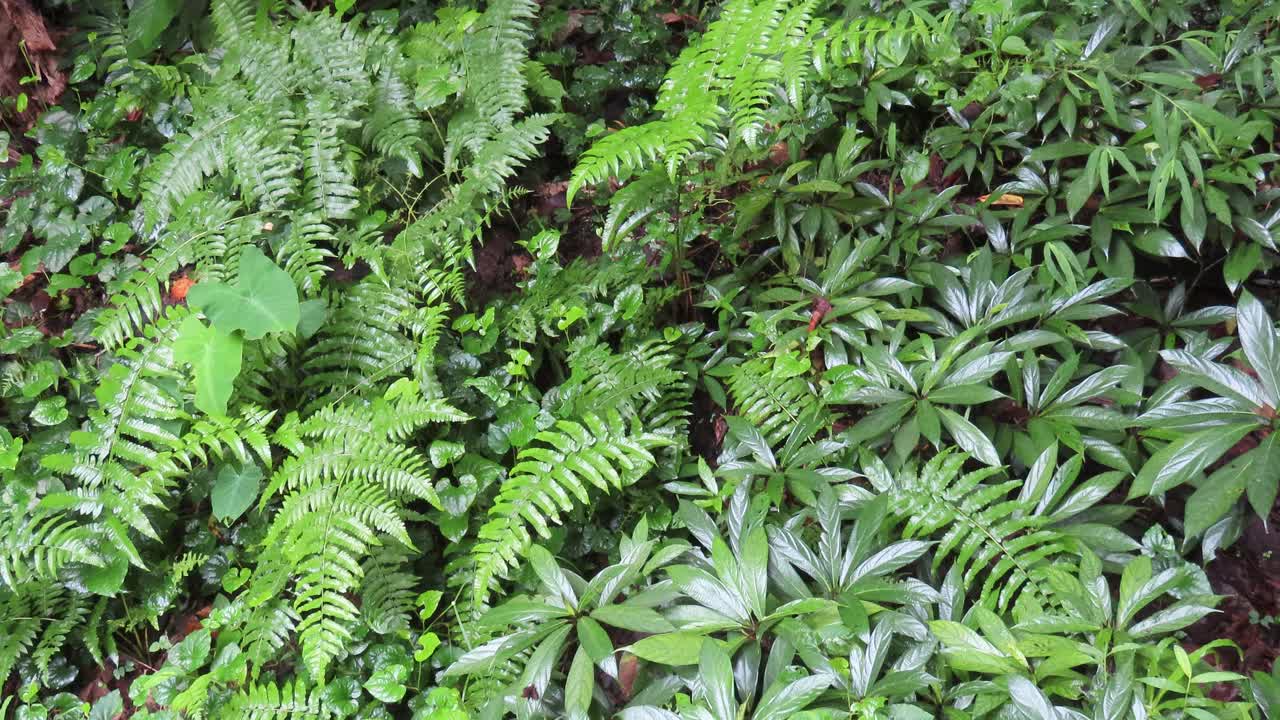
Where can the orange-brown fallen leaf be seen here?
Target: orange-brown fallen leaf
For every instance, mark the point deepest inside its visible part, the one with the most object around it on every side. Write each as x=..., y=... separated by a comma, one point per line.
x=671, y=18
x=1005, y=200
x=178, y=290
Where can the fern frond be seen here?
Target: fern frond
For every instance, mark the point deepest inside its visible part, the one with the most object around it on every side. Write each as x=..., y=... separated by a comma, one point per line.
x=493, y=60
x=554, y=477
x=394, y=129
x=396, y=468
x=263, y=156
x=36, y=545
x=178, y=172
x=269, y=701
x=233, y=21
x=329, y=177
x=389, y=592
x=773, y=404
x=207, y=231
x=987, y=536
x=624, y=382
x=363, y=339
x=497, y=159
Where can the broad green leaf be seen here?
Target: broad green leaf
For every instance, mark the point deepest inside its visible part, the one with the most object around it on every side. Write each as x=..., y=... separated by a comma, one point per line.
x=264, y=299
x=108, y=578
x=1241, y=262
x=234, y=490
x=1260, y=469
x=1214, y=498
x=1161, y=243
x=147, y=20
x=579, y=686
x=787, y=702
x=544, y=660
x=1014, y=45
x=1176, y=617
x=215, y=357
x=554, y=582
x=1265, y=689
x=1221, y=379
x=878, y=422
x=108, y=707
x=969, y=437
x=1030, y=700
x=1258, y=338
x=749, y=436
x=676, y=648
x=1067, y=113
x=594, y=639
x=1182, y=460
x=754, y=569
x=966, y=394
x=1060, y=150
x=387, y=683
x=193, y=652
x=716, y=673
x=967, y=650
x=311, y=315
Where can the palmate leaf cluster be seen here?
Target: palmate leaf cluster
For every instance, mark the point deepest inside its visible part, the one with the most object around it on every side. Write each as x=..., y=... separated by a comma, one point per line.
x=890, y=361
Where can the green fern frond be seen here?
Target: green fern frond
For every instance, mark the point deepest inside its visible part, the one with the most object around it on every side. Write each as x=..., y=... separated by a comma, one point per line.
x=207, y=232
x=633, y=204
x=394, y=129
x=621, y=382
x=389, y=592
x=773, y=404
x=269, y=701
x=233, y=21
x=494, y=57
x=362, y=339
x=554, y=477
x=988, y=537
x=498, y=159
x=188, y=159
x=396, y=468
x=269, y=630
x=322, y=533
x=20, y=616
x=263, y=157
x=37, y=619
x=304, y=254
x=36, y=545
x=329, y=176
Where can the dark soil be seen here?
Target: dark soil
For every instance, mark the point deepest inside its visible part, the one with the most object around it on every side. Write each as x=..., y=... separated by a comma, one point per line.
x=1248, y=575
x=28, y=51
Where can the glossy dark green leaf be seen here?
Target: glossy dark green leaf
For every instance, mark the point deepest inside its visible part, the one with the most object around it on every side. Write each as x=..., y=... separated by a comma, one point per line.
x=234, y=490
x=1182, y=460
x=716, y=674
x=579, y=686
x=677, y=648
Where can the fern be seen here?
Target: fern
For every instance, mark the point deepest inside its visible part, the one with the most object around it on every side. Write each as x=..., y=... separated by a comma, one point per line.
x=364, y=339
x=269, y=701
x=554, y=477
x=36, y=544
x=393, y=129
x=329, y=189
x=623, y=381
x=347, y=481
x=991, y=540
x=731, y=72
x=388, y=593
x=772, y=403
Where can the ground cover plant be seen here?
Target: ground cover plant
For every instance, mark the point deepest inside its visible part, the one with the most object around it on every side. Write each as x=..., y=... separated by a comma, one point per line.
x=744, y=359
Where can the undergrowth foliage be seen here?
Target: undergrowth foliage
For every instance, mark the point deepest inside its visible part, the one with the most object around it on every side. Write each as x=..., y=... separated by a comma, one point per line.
x=884, y=360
